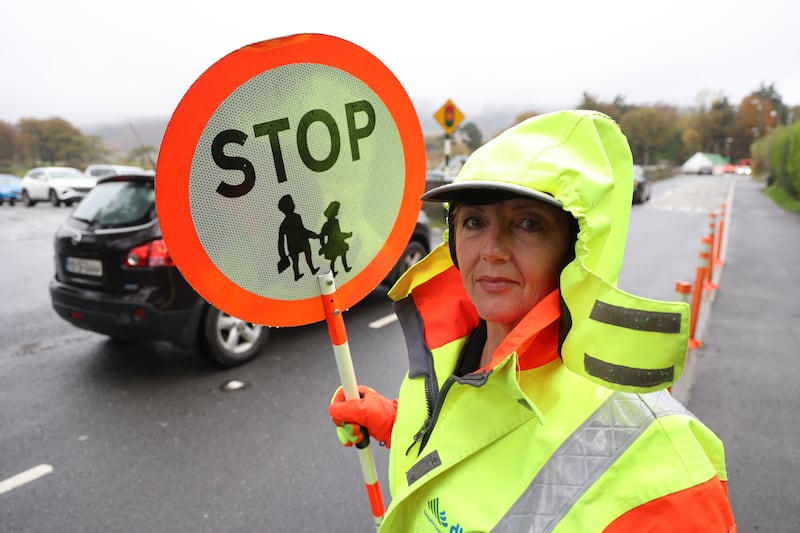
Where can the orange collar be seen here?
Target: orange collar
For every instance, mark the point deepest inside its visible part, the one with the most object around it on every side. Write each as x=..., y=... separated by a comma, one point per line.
x=448, y=314
x=535, y=338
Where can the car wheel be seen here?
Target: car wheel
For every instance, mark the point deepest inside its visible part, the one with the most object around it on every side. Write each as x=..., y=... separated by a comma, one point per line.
x=230, y=341
x=12, y=202
x=54, y=198
x=414, y=251
x=26, y=199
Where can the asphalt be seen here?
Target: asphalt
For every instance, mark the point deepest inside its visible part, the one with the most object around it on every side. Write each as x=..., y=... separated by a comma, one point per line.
x=744, y=380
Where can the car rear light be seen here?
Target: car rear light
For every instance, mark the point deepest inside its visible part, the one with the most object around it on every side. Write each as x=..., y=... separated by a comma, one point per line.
x=151, y=254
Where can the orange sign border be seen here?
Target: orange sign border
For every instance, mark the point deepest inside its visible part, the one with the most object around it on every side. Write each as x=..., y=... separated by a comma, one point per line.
x=183, y=133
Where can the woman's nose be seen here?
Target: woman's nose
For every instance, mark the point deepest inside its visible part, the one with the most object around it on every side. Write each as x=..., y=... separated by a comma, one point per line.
x=495, y=244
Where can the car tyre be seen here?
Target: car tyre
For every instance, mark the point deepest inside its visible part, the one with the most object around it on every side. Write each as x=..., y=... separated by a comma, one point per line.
x=27, y=200
x=230, y=341
x=54, y=198
x=414, y=251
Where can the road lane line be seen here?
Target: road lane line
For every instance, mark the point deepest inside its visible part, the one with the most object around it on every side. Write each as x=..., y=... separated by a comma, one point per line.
x=385, y=321
x=25, y=477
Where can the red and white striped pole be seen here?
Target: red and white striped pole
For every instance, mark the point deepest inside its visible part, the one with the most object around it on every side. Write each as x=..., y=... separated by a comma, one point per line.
x=347, y=375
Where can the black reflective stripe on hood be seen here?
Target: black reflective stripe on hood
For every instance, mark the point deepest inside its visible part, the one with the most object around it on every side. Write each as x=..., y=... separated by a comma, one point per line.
x=637, y=319
x=625, y=375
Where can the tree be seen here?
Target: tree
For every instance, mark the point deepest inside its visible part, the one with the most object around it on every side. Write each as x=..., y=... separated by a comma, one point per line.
x=471, y=136
x=614, y=109
x=9, y=142
x=647, y=129
x=143, y=156
x=56, y=141
x=771, y=94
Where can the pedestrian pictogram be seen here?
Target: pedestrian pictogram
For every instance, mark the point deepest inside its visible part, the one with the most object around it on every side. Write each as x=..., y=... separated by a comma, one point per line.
x=287, y=158
x=449, y=117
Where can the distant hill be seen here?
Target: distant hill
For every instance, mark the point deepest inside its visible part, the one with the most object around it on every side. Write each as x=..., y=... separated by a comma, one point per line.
x=121, y=137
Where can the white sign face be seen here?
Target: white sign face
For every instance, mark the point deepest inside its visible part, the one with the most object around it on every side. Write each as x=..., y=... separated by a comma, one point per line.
x=275, y=168
x=291, y=166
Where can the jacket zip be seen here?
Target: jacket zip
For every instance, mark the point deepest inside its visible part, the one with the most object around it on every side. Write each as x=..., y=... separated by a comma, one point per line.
x=437, y=400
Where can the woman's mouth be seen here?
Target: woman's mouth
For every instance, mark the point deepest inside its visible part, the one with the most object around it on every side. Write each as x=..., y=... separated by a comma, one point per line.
x=495, y=284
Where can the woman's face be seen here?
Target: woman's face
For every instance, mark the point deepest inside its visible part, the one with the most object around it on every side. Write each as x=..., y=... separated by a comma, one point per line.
x=510, y=255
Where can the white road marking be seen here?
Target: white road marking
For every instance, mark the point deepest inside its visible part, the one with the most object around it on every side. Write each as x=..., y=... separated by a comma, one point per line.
x=385, y=321
x=25, y=477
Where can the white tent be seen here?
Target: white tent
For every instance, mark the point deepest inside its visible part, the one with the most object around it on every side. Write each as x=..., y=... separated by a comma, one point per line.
x=698, y=163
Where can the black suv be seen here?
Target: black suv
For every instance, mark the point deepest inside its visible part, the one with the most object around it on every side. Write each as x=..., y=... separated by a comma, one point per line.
x=114, y=275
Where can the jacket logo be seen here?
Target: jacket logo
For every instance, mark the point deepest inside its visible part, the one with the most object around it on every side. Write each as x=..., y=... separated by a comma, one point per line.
x=440, y=517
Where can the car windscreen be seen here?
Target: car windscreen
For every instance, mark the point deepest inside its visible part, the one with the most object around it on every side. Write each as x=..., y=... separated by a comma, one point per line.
x=64, y=174
x=118, y=204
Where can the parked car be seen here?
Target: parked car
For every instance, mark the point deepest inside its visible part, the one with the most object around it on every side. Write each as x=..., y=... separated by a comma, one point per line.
x=114, y=276
x=10, y=189
x=742, y=167
x=641, y=185
x=55, y=184
x=706, y=170
x=727, y=168
x=102, y=170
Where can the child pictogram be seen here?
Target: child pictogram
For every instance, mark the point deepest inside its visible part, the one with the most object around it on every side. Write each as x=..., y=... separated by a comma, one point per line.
x=293, y=239
x=332, y=239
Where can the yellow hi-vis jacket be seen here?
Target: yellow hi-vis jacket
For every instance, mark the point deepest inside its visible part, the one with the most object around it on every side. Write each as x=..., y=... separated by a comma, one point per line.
x=528, y=445
x=577, y=437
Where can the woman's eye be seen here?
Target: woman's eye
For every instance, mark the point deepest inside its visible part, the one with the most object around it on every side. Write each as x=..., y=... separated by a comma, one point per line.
x=472, y=222
x=530, y=224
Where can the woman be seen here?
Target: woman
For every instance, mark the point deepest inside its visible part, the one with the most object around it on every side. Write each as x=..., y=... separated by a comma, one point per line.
x=536, y=394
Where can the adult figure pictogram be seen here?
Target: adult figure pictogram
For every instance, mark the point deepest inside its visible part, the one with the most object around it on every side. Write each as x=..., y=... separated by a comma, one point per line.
x=293, y=239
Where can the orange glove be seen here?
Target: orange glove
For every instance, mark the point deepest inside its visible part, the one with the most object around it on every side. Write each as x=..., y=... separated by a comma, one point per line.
x=371, y=414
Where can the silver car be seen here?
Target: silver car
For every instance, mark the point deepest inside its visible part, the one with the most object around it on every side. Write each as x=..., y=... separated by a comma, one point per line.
x=56, y=185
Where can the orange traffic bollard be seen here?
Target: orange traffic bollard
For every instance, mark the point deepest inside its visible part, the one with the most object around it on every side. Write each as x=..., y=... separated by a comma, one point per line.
x=712, y=249
x=683, y=290
x=708, y=281
x=718, y=259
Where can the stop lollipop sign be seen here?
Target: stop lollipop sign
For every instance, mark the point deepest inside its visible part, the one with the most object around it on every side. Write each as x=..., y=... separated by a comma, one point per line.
x=285, y=158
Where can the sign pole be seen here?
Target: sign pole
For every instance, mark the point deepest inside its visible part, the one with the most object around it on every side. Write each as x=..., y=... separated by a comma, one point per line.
x=449, y=116
x=347, y=375
x=446, y=157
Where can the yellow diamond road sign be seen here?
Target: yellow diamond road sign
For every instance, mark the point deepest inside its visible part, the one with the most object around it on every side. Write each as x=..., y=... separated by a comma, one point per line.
x=449, y=116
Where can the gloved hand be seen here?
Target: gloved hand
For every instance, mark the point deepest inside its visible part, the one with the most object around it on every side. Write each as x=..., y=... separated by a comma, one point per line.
x=371, y=413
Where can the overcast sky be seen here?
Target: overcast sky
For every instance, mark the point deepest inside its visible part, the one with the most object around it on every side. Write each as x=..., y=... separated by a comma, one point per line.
x=98, y=61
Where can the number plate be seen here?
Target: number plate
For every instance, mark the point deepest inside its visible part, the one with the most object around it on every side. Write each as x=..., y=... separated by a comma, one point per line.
x=86, y=267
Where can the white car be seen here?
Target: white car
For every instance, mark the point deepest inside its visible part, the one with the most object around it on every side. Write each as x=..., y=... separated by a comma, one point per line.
x=102, y=170
x=56, y=185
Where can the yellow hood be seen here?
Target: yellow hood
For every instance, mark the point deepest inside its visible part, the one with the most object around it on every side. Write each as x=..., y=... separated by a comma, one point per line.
x=582, y=159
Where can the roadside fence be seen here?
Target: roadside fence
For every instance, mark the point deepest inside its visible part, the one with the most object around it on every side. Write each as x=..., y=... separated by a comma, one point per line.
x=706, y=281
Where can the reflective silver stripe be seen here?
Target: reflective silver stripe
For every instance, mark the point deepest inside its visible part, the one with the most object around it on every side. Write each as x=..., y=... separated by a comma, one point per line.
x=584, y=457
x=637, y=319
